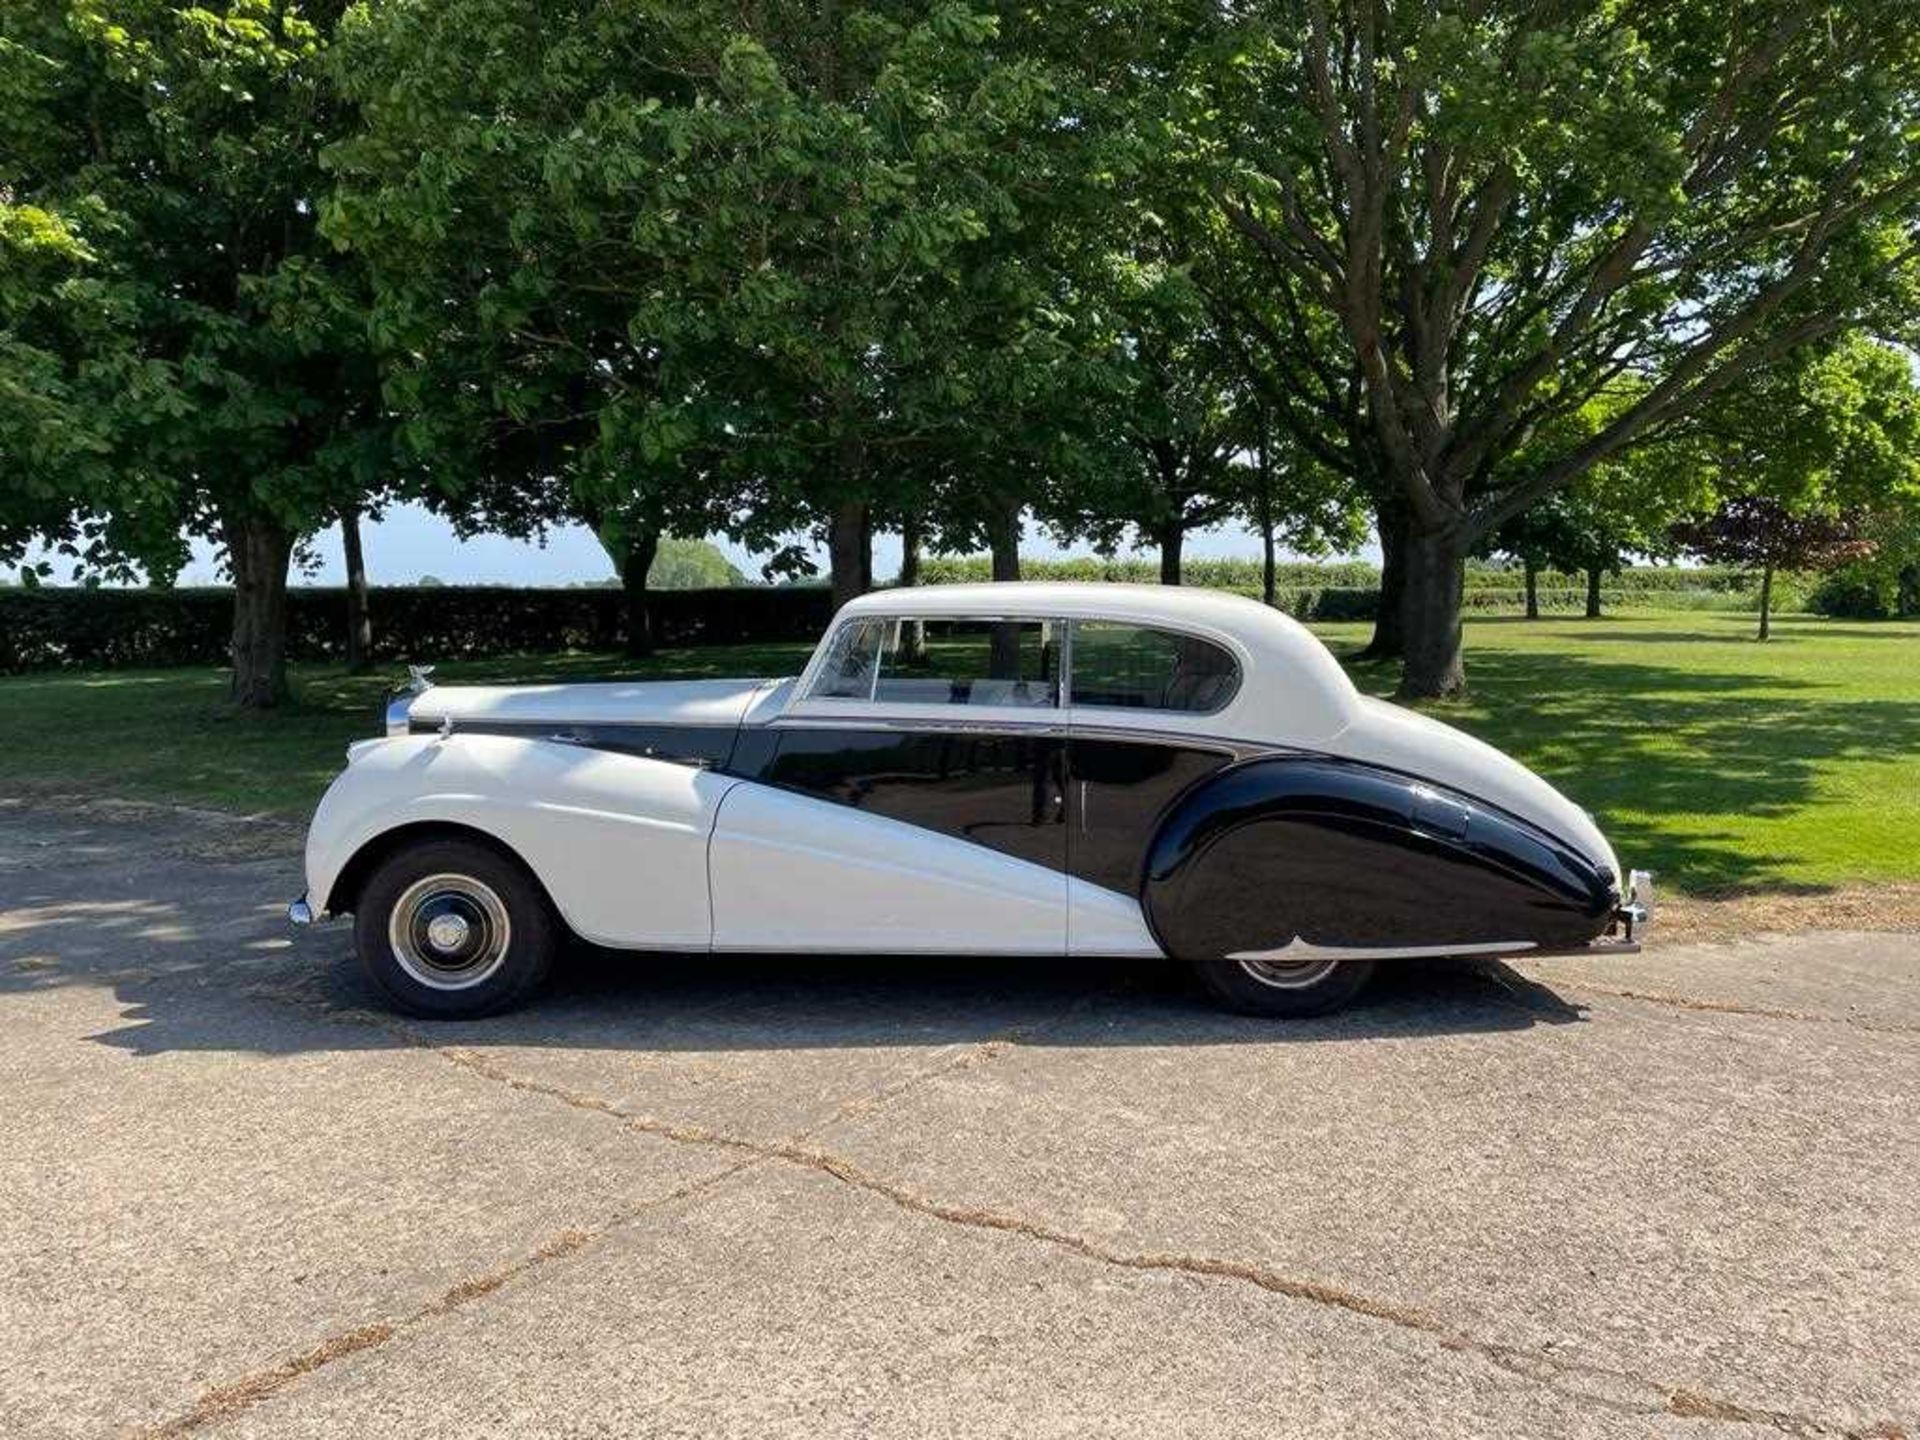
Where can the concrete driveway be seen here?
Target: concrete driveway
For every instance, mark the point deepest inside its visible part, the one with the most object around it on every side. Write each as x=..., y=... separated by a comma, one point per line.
x=1674, y=1196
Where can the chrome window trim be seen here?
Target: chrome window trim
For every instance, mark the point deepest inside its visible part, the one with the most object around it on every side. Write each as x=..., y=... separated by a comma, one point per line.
x=1068, y=620
x=803, y=687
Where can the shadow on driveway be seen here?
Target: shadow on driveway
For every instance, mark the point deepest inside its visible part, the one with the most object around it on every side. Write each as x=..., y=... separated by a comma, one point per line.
x=694, y=1004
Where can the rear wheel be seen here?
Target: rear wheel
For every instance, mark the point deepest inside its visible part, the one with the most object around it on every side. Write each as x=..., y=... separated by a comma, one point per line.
x=1284, y=987
x=453, y=928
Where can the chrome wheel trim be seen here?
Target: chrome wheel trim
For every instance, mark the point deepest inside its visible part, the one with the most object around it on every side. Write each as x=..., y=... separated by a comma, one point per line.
x=449, y=932
x=1288, y=974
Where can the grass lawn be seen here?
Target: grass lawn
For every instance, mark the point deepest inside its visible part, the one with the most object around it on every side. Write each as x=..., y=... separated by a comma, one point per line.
x=1724, y=764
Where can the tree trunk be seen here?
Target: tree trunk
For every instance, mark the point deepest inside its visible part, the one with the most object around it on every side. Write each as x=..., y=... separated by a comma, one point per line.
x=1389, y=640
x=1434, y=581
x=1173, y=536
x=1003, y=540
x=850, y=551
x=359, y=612
x=1593, y=592
x=1533, y=589
x=258, y=549
x=1766, y=600
x=1264, y=516
x=910, y=551
x=641, y=548
x=913, y=634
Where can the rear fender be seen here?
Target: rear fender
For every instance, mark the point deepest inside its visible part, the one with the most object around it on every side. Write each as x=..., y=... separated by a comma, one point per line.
x=1338, y=854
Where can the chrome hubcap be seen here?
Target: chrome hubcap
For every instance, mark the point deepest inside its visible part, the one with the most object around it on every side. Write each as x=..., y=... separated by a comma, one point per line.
x=449, y=932
x=1288, y=974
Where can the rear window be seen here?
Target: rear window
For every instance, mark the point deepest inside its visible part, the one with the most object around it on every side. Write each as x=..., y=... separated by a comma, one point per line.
x=1136, y=667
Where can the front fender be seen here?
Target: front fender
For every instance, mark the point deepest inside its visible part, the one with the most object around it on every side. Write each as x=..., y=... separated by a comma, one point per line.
x=1340, y=854
x=619, y=841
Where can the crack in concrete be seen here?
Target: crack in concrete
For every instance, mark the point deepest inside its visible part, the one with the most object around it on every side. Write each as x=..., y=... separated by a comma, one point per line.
x=222, y=1402
x=1733, y=1007
x=1611, y=1388
x=1574, y=1379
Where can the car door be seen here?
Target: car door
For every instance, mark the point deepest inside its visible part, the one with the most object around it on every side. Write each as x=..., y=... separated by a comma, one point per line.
x=1137, y=701
x=910, y=799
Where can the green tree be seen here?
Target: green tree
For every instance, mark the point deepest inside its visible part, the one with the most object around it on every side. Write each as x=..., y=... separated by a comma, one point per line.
x=503, y=155
x=698, y=269
x=204, y=352
x=1808, y=462
x=1624, y=506
x=1178, y=410
x=1575, y=531
x=692, y=565
x=1504, y=208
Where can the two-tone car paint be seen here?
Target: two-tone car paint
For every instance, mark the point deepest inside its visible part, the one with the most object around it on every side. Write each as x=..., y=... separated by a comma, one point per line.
x=763, y=815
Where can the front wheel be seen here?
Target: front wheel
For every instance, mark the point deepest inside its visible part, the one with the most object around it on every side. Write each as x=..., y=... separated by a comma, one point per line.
x=450, y=929
x=1286, y=988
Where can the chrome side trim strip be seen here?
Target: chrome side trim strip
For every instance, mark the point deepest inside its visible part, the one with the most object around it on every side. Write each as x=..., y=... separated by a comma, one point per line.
x=1046, y=729
x=1298, y=950
x=902, y=724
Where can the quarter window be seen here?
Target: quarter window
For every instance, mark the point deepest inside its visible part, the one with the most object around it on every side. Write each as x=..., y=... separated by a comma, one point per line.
x=852, y=663
x=1134, y=667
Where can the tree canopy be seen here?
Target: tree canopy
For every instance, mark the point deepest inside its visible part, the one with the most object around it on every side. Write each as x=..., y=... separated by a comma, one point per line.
x=1504, y=275
x=1473, y=221
x=184, y=354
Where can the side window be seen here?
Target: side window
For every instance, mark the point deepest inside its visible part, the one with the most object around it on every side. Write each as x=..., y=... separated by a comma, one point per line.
x=943, y=662
x=1133, y=667
x=971, y=662
x=853, y=658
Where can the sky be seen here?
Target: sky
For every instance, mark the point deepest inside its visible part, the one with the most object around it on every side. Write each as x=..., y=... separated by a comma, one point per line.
x=410, y=542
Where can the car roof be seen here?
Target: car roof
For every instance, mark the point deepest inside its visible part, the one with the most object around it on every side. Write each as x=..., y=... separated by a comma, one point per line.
x=1065, y=597
x=1292, y=686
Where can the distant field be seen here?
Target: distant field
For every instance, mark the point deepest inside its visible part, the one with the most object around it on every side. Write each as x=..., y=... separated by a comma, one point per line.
x=1722, y=763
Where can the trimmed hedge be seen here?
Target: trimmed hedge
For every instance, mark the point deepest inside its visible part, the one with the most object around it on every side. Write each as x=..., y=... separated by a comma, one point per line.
x=1299, y=576
x=1204, y=571
x=47, y=627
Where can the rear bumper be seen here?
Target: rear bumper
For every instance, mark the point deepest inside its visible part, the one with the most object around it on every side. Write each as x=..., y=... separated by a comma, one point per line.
x=1631, y=919
x=1635, y=913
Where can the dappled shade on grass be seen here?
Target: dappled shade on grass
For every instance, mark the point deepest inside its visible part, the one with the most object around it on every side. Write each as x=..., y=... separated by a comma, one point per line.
x=1723, y=764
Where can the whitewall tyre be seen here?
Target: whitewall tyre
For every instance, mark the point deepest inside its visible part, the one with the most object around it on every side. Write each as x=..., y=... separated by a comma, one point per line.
x=452, y=928
x=1284, y=988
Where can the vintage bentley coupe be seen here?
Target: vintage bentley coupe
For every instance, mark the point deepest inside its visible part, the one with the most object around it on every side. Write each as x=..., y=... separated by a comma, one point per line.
x=1011, y=769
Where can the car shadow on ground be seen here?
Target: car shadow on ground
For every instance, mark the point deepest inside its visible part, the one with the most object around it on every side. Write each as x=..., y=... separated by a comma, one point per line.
x=715, y=1005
